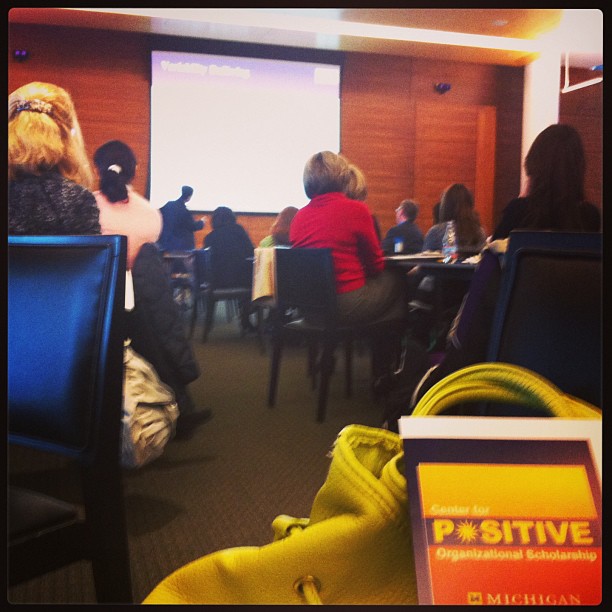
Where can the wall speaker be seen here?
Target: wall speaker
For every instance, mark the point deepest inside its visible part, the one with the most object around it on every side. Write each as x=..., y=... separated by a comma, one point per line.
x=20, y=55
x=442, y=88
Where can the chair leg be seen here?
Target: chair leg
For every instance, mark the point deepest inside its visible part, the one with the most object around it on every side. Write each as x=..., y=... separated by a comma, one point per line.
x=277, y=348
x=261, y=319
x=230, y=310
x=110, y=562
x=313, y=351
x=348, y=367
x=209, y=318
x=194, y=312
x=327, y=366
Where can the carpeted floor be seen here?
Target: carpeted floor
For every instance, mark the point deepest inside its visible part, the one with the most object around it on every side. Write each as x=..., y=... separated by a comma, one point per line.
x=224, y=486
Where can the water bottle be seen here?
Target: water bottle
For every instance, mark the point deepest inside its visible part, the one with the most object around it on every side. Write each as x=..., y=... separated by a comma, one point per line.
x=449, y=243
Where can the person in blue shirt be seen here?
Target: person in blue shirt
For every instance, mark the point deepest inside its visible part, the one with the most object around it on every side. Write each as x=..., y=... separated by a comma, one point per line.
x=405, y=237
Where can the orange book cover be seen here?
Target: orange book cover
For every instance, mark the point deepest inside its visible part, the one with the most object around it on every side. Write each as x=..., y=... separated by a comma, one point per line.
x=510, y=518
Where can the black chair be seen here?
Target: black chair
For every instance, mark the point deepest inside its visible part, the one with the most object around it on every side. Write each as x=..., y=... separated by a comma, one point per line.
x=181, y=269
x=236, y=298
x=66, y=299
x=549, y=311
x=305, y=283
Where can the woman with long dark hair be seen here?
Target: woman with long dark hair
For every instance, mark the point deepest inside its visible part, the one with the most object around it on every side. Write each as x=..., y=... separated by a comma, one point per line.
x=554, y=199
x=457, y=204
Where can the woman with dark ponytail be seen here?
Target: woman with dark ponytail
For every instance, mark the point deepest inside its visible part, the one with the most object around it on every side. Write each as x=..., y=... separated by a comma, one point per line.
x=122, y=210
x=154, y=325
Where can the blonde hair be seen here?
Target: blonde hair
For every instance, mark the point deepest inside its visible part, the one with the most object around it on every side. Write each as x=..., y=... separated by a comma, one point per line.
x=44, y=134
x=326, y=172
x=356, y=188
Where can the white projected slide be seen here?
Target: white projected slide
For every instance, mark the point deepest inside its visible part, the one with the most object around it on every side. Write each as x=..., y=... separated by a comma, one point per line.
x=239, y=130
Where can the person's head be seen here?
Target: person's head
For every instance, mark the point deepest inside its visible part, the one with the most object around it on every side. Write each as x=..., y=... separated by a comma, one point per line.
x=326, y=172
x=456, y=202
x=406, y=211
x=44, y=134
x=280, y=227
x=186, y=193
x=116, y=166
x=555, y=167
x=356, y=188
x=222, y=216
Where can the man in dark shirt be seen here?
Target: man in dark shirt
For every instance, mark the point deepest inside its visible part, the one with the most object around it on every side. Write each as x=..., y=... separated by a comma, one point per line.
x=405, y=237
x=178, y=224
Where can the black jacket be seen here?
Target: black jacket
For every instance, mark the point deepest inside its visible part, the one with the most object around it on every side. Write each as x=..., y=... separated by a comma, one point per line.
x=178, y=227
x=155, y=326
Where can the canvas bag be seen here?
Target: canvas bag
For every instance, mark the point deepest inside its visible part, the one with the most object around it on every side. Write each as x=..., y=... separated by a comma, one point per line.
x=149, y=411
x=356, y=546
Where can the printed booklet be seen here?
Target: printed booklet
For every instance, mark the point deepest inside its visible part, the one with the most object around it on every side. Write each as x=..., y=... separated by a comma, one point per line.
x=505, y=511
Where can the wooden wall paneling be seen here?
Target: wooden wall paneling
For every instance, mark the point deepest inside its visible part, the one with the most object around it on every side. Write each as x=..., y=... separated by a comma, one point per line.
x=454, y=144
x=377, y=128
x=509, y=105
x=484, y=190
x=582, y=108
x=107, y=76
x=471, y=84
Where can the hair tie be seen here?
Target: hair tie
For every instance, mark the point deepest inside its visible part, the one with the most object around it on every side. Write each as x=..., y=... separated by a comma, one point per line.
x=35, y=106
x=115, y=168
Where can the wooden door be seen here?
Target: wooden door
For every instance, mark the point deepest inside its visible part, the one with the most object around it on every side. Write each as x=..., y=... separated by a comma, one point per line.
x=454, y=144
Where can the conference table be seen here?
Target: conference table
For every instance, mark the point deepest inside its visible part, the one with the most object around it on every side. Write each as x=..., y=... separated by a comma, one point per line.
x=431, y=264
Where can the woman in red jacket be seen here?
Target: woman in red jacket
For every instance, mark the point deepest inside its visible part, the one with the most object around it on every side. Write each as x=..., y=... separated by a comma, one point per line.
x=366, y=291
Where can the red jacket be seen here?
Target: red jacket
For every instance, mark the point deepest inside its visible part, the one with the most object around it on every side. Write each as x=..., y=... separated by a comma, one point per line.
x=333, y=221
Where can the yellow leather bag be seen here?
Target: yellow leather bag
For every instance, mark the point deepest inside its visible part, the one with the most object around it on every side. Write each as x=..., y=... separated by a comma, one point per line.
x=356, y=546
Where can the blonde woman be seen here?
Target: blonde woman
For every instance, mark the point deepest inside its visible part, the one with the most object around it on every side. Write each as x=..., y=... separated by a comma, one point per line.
x=49, y=174
x=366, y=291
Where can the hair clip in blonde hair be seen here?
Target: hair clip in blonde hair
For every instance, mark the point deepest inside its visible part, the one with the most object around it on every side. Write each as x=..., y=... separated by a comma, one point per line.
x=36, y=106
x=115, y=168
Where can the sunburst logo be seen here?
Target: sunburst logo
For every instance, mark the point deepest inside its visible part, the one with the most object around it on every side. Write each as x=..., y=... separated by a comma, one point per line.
x=466, y=531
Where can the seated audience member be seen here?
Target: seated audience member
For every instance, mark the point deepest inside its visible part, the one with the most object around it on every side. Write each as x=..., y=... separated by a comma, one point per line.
x=48, y=171
x=457, y=204
x=279, y=231
x=405, y=237
x=555, y=167
x=178, y=223
x=232, y=251
x=157, y=332
x=366, y=291
x=154, y=326
x=122, y=210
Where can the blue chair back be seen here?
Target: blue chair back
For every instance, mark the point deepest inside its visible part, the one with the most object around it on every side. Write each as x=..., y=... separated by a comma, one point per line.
x=66, y=307
x=65, y=342
x=549, y=311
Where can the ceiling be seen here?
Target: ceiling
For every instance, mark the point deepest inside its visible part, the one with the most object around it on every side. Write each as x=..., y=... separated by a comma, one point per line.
x=524, y=33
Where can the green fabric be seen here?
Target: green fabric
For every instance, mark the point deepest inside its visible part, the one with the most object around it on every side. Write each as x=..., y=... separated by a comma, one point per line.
x=266, y=242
